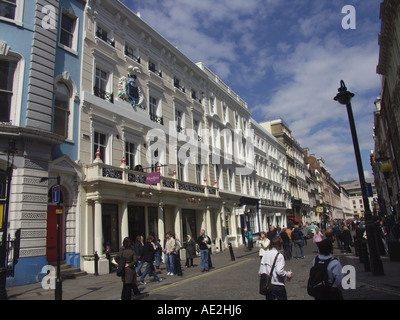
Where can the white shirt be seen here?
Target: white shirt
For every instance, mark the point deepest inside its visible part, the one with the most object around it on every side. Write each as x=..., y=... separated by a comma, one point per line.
x=263, y=244
x=279, y=274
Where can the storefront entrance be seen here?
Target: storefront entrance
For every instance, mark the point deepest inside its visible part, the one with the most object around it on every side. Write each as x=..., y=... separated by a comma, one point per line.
x=189, y=225
x=110, y=227
x=136, y=222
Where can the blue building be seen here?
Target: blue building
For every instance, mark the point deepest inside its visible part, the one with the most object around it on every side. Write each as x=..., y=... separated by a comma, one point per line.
x=40, y=65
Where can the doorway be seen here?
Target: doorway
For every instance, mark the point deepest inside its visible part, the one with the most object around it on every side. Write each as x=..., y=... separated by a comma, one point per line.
x=51, y=236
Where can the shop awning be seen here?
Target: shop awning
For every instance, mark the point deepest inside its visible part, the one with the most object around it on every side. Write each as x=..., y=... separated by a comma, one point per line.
x=294, y=219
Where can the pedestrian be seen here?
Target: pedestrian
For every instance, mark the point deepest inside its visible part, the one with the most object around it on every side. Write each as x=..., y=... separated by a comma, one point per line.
x=303, y=231
x=203, y=241
x=170, y=249
x=128, y=253
x=286, y=244
x=139, y=253
x=279, y=274
x=289, y=233
x=346, y=237
x=177, y=256
x=330, y=235
x=263, y=243
x=297, y=238
x=149, y=250
x=190, y=251
x=272, y=233
x=249, y=237
x=337, y=230
x=317, y=237
x=157, y=255
x=334, y=274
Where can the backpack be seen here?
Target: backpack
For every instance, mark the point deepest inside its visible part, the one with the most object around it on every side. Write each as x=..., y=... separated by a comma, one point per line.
x=121, y=266
x=318, y=286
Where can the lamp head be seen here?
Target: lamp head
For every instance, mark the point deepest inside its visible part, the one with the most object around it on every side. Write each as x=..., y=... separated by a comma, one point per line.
x=343, y=96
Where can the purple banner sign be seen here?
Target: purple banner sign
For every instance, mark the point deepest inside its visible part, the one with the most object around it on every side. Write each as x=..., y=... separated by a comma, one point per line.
x=153, y=178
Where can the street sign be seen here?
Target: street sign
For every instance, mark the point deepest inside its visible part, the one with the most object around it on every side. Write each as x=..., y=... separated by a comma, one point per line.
x=55, y=194
x=59, y=211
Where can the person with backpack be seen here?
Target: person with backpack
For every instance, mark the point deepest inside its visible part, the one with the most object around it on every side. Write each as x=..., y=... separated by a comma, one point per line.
x=274, y=260
x=297, y=238
x=127, y=261
x=326, y=276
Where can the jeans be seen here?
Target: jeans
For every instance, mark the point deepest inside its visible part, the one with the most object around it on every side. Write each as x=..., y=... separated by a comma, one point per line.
x=170, y=262
x=139, y=268
x=157, y=258
x=149, y=268
x=277, y=293
x=298, y=244
x=204, y=259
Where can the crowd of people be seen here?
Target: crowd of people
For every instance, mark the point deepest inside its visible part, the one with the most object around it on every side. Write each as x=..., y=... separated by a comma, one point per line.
x=276, y=247
x=137, y=255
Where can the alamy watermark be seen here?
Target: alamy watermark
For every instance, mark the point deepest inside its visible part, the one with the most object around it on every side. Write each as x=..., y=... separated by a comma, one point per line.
x=349, y=20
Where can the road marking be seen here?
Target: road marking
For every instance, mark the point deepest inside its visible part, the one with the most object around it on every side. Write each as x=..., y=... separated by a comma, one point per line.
x=198, y=276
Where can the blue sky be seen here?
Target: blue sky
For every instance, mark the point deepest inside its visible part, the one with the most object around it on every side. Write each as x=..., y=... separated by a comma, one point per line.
x=286, y=58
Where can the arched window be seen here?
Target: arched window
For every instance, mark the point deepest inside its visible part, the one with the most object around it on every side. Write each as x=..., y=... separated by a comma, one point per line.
x=61, y=109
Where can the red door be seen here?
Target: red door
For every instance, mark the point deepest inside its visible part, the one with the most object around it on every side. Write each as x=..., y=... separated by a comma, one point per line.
x=51, y=243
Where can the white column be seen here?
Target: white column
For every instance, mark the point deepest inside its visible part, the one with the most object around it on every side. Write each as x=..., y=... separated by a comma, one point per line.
x=177, y=223
x=98, y=228
x=208, y=223
x=124, y=221
x=161, y=227
x=88, y=232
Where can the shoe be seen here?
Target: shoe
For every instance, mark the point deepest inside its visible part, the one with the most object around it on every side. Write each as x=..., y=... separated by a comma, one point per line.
x=142, y=282
x=159, y=280
x=171, y=274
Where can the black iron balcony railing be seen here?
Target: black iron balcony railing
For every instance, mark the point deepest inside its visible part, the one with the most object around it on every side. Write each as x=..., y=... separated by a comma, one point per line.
x=157, y=119
x=153, y=69
x=104, y=37
x=103, y=94
x=131, y=55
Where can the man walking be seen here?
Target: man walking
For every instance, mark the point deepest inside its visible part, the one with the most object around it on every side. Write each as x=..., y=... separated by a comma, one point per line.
x=203, y=241
x=297, y=237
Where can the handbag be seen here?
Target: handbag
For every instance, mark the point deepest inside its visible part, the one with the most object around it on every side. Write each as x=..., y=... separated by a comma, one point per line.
x=265, y=280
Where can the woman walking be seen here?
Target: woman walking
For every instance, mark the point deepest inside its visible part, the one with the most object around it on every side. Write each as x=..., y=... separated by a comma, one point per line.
x=273, y=259
x=286, y=244
x=317, y=237
x=129, y=276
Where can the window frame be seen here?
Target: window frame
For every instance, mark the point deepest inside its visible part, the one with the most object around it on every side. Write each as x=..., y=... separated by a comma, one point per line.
x=75, y=33
x=18, y=13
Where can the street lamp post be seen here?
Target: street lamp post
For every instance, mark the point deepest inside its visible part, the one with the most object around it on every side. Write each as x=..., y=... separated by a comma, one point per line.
x=11, y=151
x=344, y=97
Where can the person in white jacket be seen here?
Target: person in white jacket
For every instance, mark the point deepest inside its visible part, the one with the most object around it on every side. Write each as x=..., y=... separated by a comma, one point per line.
x=263, y=243
x=279, y=274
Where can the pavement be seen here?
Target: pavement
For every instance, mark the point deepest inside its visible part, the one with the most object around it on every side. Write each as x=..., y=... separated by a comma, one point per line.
x=108, y=287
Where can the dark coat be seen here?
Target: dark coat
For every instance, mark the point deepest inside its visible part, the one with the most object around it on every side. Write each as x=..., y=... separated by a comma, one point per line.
x=139, y=250
x=285, y=238
x=190, y=249
x=297, y=234
x=131, y=259
x=148, y=252
x=346, y=237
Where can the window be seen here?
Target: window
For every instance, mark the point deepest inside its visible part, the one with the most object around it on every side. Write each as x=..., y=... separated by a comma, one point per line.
x=177, y=84
x=154, y=110
x=212, y=105
x=103, y=35
x=153, y=68
x=101, y=84
x=100, y=144
x=196, y=130
x=8, y=8
x=130, y=52
x=61, y=109
x=224, y=113
x=68, y=26
x=7, y=70
x=199, y=180
x=179, y=121
x=154, y=161
x=130, y=154
x=181, y=171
